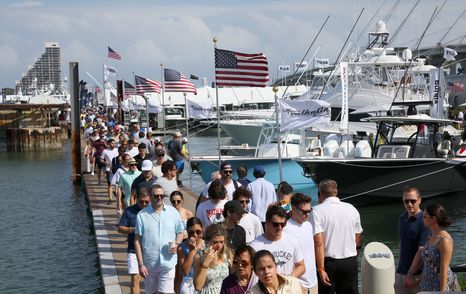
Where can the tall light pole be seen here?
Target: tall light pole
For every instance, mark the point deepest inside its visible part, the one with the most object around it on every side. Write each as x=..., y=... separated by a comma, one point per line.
x=279, y=140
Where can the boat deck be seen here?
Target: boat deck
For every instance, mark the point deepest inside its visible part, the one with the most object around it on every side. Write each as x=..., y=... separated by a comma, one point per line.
x=111, y=245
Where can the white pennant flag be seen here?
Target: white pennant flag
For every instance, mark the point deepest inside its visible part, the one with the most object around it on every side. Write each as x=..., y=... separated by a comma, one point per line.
x=285, y=68
x=301, y=66
x=110, y=70
x=321, y=62
x=200, y=110
x=296, y=114
x=449, y=54
x=344, y=128
x=436, y=92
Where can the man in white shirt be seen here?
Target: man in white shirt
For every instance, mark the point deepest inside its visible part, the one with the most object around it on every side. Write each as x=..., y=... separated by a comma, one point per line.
x=263, y=193
x=250, y=222
x=168, y=180
x=337, y=236
x=300, y=229
x=286, y=250
x=106, y=158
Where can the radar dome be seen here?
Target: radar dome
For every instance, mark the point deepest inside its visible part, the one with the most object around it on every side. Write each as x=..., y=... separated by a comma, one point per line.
x=380, y=27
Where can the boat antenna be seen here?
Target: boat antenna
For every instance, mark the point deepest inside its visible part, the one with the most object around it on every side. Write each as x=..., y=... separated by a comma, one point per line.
x=364, y=30
x=307, y=52
x=417, y=48
x=339, y=54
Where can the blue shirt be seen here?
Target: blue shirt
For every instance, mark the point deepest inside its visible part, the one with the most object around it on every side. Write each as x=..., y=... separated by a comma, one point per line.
x=128, y=219
x=156, y=230
x=413, y=233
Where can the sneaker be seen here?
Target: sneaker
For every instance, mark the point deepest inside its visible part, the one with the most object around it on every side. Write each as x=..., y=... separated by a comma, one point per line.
x=92, y=173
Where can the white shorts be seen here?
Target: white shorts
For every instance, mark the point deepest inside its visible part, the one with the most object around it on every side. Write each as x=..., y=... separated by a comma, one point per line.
x=160, y=280
x=133, y=267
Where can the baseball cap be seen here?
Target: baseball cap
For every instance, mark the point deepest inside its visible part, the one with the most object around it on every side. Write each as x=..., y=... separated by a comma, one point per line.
x=234, y=206
x=132, y=161
x=146, y=165
x=225, y=165
x=184, y=139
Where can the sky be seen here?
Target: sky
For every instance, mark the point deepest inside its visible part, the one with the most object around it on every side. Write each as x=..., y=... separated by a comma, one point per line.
x=178, y=34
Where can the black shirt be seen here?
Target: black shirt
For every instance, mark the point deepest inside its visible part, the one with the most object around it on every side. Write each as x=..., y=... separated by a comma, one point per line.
x=236, y=237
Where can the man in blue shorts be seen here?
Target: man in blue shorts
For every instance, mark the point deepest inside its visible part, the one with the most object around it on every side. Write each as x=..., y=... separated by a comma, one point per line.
x=127, y=225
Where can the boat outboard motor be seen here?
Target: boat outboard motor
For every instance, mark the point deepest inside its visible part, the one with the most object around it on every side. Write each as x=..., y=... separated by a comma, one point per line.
x=378, y=269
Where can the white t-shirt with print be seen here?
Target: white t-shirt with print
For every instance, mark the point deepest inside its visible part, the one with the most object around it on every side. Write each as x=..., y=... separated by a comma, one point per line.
x=287, y=251
x=211, y=213
x=252, y=225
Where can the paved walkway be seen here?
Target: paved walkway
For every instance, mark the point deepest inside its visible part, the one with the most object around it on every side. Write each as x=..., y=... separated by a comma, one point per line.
x=112, y=245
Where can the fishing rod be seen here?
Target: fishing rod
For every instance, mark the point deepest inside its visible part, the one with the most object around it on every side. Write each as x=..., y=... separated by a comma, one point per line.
x=339, y=54
x=411, y=61
x=307, y=52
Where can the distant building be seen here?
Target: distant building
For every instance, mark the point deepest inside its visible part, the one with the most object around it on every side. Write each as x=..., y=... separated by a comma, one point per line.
x=45, y=72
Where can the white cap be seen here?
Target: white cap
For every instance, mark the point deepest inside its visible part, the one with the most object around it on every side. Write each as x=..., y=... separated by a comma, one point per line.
x=184, y=140
x=157, y=139
x=146, y=165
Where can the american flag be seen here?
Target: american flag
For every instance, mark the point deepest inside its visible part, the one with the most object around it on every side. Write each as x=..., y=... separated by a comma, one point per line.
x=129, y=90
x=144, y=85
x=113, y=54
x=455, y=86
x=240, y=69
x=176, y=82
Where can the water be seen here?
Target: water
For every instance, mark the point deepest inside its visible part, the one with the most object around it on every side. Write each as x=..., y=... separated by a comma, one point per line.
x=48, y=244
x=380, y=223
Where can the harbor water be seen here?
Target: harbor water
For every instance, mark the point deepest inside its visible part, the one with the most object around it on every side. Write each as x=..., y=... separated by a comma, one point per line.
x=48, y=243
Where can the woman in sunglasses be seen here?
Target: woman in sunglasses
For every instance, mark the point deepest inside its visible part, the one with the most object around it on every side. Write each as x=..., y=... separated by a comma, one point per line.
x=177, y=200
x=270, y=281
x=435, y=256
x=213, y=264
x=186, y=251
x=243, y=277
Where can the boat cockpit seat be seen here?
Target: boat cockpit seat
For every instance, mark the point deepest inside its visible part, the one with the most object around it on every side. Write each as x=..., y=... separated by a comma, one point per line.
x=400, y=151
x=331, y=149
x=389, y=155
x=363, y=149
x=347, y=148
x=445, y=148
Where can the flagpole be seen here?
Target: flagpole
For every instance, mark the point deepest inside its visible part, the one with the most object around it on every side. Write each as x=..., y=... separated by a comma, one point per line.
x=104, y=82
x=279, y=141
x=218, y=111
x=187, y=136
x=163, y=103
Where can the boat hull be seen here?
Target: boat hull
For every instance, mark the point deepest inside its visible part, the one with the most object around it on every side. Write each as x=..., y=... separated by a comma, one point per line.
x=292, y=172
x=377, y=181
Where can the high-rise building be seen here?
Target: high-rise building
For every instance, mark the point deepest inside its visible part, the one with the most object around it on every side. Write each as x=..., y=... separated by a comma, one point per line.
x=45, y=73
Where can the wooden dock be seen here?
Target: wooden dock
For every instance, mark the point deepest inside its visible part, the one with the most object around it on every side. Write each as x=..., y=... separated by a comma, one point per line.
x=111, y=245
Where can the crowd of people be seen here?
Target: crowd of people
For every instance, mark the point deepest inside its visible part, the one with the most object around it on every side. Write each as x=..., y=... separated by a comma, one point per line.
x=245, y=236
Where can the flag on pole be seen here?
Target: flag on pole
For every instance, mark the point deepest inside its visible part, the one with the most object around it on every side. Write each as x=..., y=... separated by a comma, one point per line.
x=240, y=69
x=321, y=62
x=113, y=54
x=176, y=82
x=298, y=114
x=344, y=127
x=128, y=90
x=300, y=66
x=200, y=110
x=285, y=68
x=144, y=85
x=449, y=54
x=110, y=70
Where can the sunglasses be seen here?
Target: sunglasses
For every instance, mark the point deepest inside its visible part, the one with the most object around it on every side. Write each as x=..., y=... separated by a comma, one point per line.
x=278, y=224
x=412, y=201
x=245, y=201
x=197, y=232
x=227, y=171
x=158, y=195
x=241, y=263
x=176, y=201
x=304, y=212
